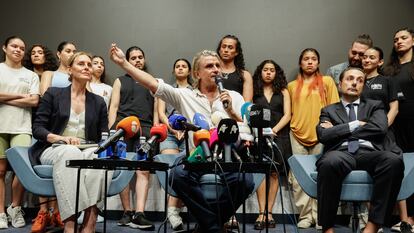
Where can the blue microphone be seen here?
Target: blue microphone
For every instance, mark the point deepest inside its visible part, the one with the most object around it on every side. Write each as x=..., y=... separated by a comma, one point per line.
x=245, y=111
x=179, y=122
x=200, y=120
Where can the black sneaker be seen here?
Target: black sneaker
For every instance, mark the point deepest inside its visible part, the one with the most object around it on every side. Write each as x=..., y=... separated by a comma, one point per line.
x=405, y=227
x=139, y=221
x=126, y=218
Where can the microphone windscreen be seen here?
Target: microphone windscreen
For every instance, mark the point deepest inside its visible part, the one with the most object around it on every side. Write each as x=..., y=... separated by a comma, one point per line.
x=160, y=130
x=216, y=117
x=130, y=125
x=200, y=120
x=245, y=111
x=228, y=131
x=245, y=132
x=175, y=121
x=201, y=135
x=259, y=116
x=213, y=138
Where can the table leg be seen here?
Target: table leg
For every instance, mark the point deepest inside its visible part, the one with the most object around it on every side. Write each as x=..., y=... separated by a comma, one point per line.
x=105, y=200
x=166, y=201
x=267, y=202
x=75, y=229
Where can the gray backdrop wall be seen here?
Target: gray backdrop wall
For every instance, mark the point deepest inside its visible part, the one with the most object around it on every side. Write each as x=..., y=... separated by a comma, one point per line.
x=168, y=29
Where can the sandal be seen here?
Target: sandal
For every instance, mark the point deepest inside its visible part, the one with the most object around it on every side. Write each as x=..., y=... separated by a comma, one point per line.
x=259, y=224
x=232, y=223
x=271, y=223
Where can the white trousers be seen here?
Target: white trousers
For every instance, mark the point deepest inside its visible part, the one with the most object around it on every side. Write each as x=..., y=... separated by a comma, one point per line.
x=92, y=181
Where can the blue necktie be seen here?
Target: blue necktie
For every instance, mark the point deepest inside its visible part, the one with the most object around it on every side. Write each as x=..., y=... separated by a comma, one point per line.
x=353, y=144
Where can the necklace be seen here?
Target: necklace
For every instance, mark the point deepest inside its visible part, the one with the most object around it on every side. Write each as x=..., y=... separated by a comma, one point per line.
x=225, y=75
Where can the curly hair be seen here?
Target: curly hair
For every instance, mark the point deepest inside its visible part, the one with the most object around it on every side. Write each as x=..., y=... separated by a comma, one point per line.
x=279, y=83
x=51, y=62
x=239, y=59
x=393, y=66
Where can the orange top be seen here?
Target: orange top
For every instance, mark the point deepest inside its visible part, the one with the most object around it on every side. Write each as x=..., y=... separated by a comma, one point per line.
x=307, y=108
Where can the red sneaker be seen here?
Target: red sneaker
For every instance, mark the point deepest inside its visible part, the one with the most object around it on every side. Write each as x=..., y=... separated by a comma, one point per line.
x=41, y=221
x=56, y=220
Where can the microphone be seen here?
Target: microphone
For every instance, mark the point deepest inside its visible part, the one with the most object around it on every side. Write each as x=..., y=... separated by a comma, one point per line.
x=197, y=156
x=259, y=116
x=214, y=143
x=127, y=128
x=219, y=82
x=216, y=117
x=158, y=133
x=179, y=122
x=228, y=133
x=200, y=120
x=245, y=111
x=202, y=138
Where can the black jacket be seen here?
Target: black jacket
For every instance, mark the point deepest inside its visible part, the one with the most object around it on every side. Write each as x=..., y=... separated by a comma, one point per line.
x=375, y=131
x=53, y=114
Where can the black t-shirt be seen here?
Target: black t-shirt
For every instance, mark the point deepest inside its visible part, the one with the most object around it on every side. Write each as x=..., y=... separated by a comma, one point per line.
x=233, y=81
x=381, y=88
x=405, y=82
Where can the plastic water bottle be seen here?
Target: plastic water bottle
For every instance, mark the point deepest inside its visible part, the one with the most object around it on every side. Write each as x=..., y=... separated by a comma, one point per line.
x=103, y=154
x=141, y=155
x=109, y=151
x=121, y=148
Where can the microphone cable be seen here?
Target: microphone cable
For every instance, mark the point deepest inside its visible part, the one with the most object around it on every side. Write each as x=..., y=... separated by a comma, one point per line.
x=228, y=189
x=178, y=161
x=289, y=189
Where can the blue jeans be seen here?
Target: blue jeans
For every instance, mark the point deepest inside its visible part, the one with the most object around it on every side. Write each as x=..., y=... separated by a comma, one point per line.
x=207, y=214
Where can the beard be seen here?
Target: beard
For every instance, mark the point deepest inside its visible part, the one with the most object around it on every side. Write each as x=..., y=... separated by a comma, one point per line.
x=355, y=63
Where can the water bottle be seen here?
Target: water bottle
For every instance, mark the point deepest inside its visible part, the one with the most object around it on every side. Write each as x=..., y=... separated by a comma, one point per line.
x=109, y=151
x=103, y=154
x=141, y=155
x=121, y=148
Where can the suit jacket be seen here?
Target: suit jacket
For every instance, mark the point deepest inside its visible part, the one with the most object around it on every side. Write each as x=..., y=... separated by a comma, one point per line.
x=53, y=115
x=374, y=131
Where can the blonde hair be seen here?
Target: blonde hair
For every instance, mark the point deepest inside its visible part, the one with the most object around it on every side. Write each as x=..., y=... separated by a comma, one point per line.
x=196, y=64
x=76, y=55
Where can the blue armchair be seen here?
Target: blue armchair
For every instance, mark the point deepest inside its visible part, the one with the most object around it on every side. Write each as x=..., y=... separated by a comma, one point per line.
x=357, y=186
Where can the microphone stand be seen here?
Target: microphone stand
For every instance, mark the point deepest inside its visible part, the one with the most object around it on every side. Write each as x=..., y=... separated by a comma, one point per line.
x=187, y=145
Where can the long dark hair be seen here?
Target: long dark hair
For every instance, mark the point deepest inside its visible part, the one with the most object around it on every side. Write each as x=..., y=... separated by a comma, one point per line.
x=189, y=79
x=279, y=83
x=133, y=48
x=51, y=62
x=239, y=59
x=103, y=76
x=393, y=66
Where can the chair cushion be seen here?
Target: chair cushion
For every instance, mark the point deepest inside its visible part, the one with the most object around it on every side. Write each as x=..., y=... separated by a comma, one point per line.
x=44, y=171
x=355, y=177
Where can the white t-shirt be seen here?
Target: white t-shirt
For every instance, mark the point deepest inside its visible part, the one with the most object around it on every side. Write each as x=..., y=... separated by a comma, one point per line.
x=17, y=120
x=103, y=90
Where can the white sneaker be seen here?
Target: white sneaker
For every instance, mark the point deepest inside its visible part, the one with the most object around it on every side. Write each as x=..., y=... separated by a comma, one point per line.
x=16, y=216
x=174, y=217
x=3, y=221
x=99, y=219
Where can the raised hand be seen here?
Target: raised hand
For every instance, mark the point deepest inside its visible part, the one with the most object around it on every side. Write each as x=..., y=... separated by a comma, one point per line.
x=117, y=55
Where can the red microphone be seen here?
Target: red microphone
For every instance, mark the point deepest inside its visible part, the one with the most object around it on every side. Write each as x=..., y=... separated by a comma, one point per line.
x=158, y=133
x=127, y=128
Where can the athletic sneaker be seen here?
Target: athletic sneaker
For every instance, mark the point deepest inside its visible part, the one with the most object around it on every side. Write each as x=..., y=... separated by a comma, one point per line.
x=126, y=218
x=139, y=221
x=16, y=216
x=3, y=221
x=41, y=221
x=175, y=219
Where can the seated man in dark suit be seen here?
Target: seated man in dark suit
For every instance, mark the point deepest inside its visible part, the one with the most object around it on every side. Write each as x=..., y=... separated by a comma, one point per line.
x=354, y=134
